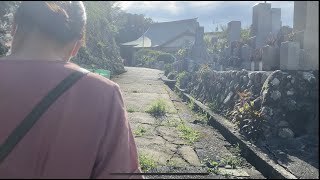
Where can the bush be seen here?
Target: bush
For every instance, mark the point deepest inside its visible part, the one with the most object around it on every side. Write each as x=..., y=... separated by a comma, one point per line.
x=158, y=108
x=146, y=57
x=183, y=79
x=166, y=58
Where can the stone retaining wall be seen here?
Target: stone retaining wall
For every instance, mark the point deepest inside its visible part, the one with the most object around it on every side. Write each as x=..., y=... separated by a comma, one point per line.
x=264, y=103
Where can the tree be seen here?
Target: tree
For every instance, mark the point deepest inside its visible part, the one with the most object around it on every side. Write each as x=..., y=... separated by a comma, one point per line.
x=133, y=27
x=245, y=34
x=102, y=27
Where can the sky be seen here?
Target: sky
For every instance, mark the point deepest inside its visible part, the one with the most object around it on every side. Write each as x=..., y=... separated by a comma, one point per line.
x=210, y=14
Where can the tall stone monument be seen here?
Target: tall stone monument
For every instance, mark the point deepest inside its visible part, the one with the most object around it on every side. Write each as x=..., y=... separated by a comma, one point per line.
x=261, y=23
x=275, y=20
x=306, y=19
x=199, y=51
x=234, y=28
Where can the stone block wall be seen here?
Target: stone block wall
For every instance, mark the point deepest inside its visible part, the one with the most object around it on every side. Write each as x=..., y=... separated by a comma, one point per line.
x=282, y=103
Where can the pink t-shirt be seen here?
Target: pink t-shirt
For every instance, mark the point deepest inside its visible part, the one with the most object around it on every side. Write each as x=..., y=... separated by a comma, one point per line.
x=84, y=134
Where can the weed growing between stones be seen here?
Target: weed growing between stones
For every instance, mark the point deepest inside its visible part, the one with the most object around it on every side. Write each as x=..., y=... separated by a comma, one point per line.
x=130, y=110
x=158, y=108
x=233, y=161
x=247, y=118
x=187, y=133
x=140, y=131
x=146, y=162
x=192, y=105
x=201, y=118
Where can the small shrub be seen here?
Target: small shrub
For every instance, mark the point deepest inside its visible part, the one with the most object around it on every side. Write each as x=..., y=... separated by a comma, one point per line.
x=158, y=108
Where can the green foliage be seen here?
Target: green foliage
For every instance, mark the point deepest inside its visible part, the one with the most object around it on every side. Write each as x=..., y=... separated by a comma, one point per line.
x=130, y=110
x=233, y=161
x=167, y=69
x=158, y=108
x=214, y=106
x=182, y=53
x=132, y=27
x=192, y=105
x=146, y=57
x=140, y=131
x=245, y=34
x=102, y=26
x=187, y=133
x=166, y=58
x=183, y=79
x=146, y=163
x=249, y=120
x=202, y=118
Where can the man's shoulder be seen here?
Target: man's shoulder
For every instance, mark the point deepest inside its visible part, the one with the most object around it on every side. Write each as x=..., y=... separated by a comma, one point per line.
x=98, y=82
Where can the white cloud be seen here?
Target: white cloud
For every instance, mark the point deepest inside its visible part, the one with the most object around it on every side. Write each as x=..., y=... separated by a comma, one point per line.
x=206, y=11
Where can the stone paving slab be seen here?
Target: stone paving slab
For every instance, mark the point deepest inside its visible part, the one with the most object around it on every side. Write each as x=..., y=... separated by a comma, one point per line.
x=142, y=101
x=161, y=140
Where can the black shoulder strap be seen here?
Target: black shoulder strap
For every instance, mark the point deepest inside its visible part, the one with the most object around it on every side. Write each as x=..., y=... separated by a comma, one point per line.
x=22, y=129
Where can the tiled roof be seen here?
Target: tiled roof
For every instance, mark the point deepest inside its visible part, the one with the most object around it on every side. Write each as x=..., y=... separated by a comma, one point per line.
x=160, y=33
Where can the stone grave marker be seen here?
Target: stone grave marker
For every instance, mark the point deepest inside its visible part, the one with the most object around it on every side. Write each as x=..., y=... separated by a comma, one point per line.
x=270, y=58
x=289, y=55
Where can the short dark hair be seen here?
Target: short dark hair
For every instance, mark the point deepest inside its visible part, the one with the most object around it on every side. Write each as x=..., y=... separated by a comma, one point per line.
x=62, y=20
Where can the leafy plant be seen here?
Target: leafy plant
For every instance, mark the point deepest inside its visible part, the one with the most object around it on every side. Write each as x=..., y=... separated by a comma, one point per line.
x=248, y=120
x=187, y=133
x=233, y=161
x=140, y=131
x=146, y=163
x=182, y=79
x=158, y=108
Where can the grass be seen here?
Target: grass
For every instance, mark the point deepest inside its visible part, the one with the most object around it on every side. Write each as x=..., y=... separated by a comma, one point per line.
x=140, y=131
x=233, y=161
x=172, y=123
x=130, y=110
x=192, y=105
x=214, y=169
x=146, y=162
x=187, y=133
x=202, y=118
x=158, y=108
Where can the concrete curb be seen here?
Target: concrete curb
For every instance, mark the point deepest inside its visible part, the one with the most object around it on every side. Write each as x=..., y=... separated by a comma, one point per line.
x=253, y=155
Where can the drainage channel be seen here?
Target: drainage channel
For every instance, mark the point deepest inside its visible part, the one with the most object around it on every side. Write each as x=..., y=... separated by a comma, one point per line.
x=250, y=152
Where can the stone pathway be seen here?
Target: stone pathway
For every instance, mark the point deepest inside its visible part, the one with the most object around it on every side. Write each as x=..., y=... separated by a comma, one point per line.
x=160, y=140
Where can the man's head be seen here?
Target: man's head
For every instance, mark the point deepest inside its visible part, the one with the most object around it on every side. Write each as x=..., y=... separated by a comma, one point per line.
x=59, y=23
